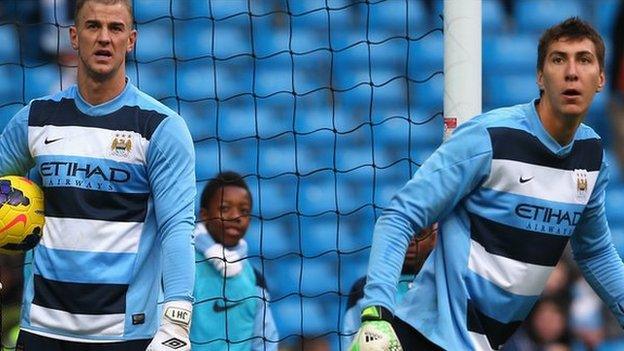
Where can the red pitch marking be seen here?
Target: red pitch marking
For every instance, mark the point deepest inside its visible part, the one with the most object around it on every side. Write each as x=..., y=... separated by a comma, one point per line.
x=21, y=218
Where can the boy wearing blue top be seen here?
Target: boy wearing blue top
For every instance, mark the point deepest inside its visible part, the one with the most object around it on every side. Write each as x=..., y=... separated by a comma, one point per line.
x=114, y=269
x=231, y=309
x=510, y=188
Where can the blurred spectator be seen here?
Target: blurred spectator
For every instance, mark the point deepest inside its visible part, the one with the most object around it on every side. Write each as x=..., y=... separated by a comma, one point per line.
x=546, y=328
x=11, y=294
x=617, y=86
x=417, y=252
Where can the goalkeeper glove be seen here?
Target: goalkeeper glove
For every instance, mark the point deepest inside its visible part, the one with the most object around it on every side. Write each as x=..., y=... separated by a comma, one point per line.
x=376, y=333
x=227, y=262
x=173, y=333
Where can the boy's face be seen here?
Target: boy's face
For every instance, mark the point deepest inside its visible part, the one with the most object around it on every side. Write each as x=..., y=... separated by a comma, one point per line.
x=570, y=76
x=228, y=214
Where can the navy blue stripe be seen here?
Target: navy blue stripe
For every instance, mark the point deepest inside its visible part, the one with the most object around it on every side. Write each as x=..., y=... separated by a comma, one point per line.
x=519, y=145
x=496, y=332
x=80, y=298
x=64, y=113
x=517, y=244
x=68, y=202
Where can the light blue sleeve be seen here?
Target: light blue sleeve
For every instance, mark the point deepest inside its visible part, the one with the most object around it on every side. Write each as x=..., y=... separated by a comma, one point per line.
x=594, y=252
x=265, y=332
x=171, y=172
x=457, y=167
x=15, y=157
x=350, y=325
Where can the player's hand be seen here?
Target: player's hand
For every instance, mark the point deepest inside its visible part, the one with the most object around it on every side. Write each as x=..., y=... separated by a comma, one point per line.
x=376, y=333
x=173, y=333
x=227, y=262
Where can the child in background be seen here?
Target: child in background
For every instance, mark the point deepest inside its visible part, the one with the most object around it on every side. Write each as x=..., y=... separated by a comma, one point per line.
x=231, y=299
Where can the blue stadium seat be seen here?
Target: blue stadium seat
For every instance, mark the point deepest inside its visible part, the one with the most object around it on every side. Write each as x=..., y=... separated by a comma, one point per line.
x=230, y=41
x=149, y=10
x=493, y=17
x=604, y=15
x=613, y=204
x=508, y=54
x=317, y=198
x=269, y=239
x=10, y=84
x=155, y=41
x=42, y=80
x=6, y=113
x=428, y=94
x=426, y=55
x=9, y=50
x=537, y=15
x=392, y=15
x=196, y=81
x=211, y=159
x=277, y=196
x=504, y=90
x=295, y=318
x=236, y=123
x=193, y=38
x=276, y=160
x=157, y=78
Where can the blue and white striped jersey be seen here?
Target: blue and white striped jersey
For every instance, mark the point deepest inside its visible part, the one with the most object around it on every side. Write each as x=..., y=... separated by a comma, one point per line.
x=508, y=198
x=119, y=186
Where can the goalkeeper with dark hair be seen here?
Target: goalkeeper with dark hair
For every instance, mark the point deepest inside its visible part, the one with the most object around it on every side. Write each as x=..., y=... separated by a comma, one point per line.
x=114, y=269
x=231, y=310
x=509, y=189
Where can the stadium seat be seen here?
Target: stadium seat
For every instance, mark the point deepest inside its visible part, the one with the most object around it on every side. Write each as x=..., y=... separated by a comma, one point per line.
x=295, y=317
x=536, y=15
x=493, y=17
x=426, y=55
x=149, y=10
x=10, y=84
x=9, y=50
x=41, y=81
x=510, y=54
x=604, y=12
x=428, y=94
x=230, y=41
x=268, y=238
x=156, y=78
x=392, y=15
x=193, y=39
x=156, y=41
x=613, y=204
x=196, y=80
x=7, y=112
x=505, y=90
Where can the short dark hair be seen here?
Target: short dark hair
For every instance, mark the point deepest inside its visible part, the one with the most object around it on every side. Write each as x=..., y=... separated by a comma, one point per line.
x=223, y=179
x=572, y=28
x=126, y=3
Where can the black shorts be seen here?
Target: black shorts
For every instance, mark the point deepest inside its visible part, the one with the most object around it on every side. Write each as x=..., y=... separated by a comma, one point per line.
x=32, y=342
x=411, y=339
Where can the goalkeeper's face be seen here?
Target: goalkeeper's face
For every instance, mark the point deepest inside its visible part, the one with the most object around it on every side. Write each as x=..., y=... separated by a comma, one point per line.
x=227, y=215
x=570, y=77
x=103, y=35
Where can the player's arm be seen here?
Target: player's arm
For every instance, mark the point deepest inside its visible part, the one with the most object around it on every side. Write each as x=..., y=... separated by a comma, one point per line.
x=171, y=172
x=351, y=319
x=265, y=331
x=457, y=167
x=15, y=157
x=594, y=252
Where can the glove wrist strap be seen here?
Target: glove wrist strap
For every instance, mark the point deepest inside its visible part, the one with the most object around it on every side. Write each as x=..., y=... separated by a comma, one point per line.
x=377, y=313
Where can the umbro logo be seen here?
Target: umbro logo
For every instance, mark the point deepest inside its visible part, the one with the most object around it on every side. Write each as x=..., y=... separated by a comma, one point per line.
x=174, y=343
x=222, y=308
x=50, y=141
x=524, y=180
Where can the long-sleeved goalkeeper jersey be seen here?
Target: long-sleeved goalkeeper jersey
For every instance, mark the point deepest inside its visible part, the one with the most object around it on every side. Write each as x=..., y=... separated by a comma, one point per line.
x=509, y=198
x=119, y=186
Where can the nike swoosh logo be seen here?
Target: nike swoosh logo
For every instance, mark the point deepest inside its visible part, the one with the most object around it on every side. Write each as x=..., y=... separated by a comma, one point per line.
x=50, y=141
x=19, y=219
x=524, y=180
x=218, y=308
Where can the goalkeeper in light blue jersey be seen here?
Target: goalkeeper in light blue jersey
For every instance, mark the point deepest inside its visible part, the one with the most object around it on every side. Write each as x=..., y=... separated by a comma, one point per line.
x=510, y=188
x=231, y=311
x=114, y=269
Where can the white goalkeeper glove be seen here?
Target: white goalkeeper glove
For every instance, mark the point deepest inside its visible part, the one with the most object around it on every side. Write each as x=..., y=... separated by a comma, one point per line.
x=376, y=333
x=227, y=262
x=173, y=333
